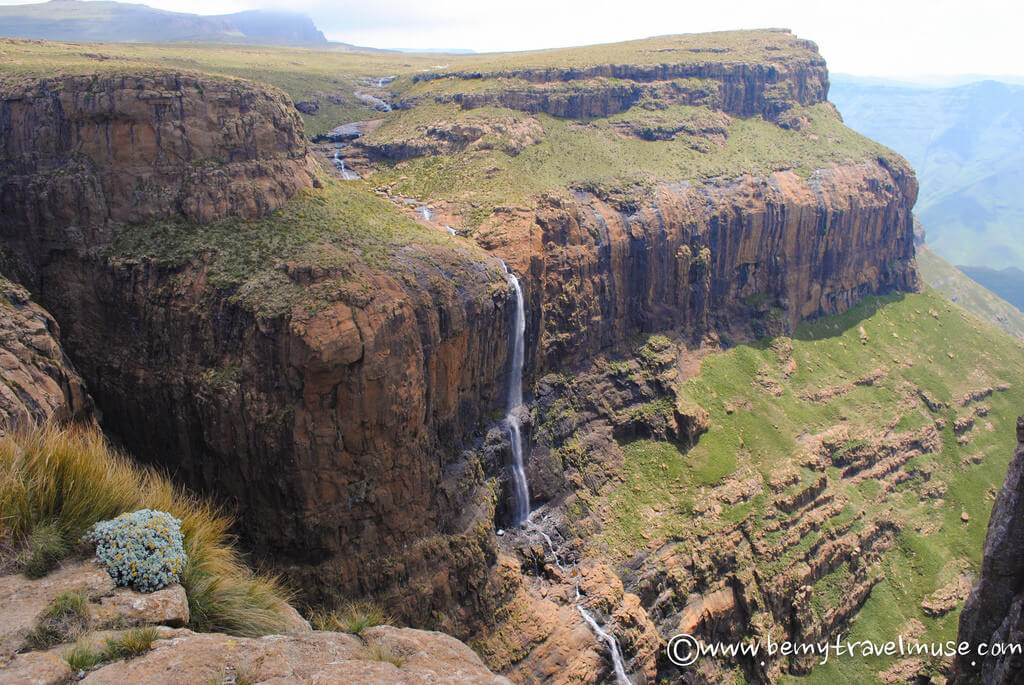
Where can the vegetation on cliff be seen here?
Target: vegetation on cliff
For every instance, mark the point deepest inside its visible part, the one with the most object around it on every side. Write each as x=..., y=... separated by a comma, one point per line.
x=881, y=420
x=55, y=483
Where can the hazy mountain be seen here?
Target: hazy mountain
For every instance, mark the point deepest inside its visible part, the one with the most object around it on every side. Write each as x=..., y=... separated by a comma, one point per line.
x=967, y=145
x=75, y=20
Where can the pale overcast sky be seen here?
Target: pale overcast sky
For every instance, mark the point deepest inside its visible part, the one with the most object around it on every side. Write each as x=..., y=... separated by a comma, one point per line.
x=890, y=38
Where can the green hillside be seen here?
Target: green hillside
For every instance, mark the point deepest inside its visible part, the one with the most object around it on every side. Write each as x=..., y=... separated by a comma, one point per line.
x=864, y=379
x=968, y=293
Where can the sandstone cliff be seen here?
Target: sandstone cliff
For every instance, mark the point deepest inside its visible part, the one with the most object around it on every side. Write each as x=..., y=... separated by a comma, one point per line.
x=39, y=381
x=994, y=611
x=341, y=391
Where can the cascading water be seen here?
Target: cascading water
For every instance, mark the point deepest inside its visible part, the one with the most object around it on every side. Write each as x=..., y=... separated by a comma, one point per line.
x=426, y=213
x=515, y=401
x=621, y=678
x=346, y=174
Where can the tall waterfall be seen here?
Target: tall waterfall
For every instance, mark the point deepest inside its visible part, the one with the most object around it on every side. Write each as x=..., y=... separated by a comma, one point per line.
x=515, y=401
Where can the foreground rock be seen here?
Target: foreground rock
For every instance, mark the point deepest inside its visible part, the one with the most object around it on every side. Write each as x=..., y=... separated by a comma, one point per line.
x=994, y=611
x=24, y=601
x=382, y=655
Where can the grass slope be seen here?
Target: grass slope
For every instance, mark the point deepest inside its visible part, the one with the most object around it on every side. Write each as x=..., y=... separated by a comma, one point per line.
x=968, y=293
x=922, y=342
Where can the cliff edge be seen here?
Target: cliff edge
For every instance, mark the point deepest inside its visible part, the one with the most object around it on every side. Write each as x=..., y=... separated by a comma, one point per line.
x=994, y=611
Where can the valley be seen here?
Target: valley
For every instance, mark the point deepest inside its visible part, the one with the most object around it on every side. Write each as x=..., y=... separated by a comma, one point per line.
x=560, y=352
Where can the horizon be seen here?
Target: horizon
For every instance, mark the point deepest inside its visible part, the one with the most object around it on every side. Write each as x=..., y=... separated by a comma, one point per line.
x=910, y=45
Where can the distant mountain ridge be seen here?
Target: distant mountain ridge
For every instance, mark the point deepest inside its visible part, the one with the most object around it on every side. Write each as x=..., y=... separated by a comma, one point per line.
x=76, y=20
x=967, y=145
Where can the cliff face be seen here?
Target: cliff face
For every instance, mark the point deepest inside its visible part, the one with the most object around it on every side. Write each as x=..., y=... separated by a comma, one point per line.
x=39, y=381
x=332, y=426
x=994, y=611
x=768, y=88
x=84, y=152
x=336, y=423
x=739, y=259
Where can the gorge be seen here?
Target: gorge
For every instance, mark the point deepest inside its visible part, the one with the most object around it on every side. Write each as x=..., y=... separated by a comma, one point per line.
x=743, y=404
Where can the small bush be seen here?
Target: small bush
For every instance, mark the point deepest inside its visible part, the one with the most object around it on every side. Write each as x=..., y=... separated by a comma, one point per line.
x=63, y=621
x=86, y=655
x=82, y=657
x=130, y=643
x=142, y=550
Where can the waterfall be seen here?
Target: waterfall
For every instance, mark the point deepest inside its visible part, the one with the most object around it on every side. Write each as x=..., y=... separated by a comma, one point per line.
x=515, y=401
x=620, y=670
x=450, y=230
x=346, y=174
x=426, y=212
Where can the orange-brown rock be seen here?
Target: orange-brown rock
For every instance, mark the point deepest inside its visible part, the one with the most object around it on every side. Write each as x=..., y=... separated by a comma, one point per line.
x=39, y=381
x=693, y=256
x=379, y=655
x=80, y=153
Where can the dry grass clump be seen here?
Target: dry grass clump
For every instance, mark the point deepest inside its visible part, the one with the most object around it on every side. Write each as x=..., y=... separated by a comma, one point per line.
x=56, y=482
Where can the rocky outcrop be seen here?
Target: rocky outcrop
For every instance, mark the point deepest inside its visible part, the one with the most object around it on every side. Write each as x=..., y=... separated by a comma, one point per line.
x=378, y=655
x=25, y=601
x=767, y=86
x=994, y=611
x=80, y=154
x=39, y=381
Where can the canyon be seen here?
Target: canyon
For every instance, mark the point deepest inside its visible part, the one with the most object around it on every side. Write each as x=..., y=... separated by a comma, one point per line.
x=334, y=364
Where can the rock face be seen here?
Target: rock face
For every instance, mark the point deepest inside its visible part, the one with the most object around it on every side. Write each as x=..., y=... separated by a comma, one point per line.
x=994, y=611
x=39, y=381
x=745, y=258
x=768, y=87
x=379, y=655
x=81, y=153
x=336, y=430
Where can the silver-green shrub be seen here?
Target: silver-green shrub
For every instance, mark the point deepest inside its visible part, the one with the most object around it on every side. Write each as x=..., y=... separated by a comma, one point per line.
x=143, y=550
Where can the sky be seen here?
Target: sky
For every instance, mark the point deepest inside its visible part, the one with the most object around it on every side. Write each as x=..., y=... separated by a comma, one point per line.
x=887, y=38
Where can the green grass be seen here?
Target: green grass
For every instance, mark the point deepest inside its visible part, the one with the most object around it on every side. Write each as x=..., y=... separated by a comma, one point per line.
x=597, y=156
x=305, y=72
x=969, y=294
x=340, y=228
x=46, y=546
x=923, y=342
x=64, y=619
x=68, y=479
x=85, y=655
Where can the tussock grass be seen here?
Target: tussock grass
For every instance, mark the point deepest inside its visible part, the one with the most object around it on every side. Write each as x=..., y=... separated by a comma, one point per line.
x=64, y=619
x=352, y=617
x=86, y=655
x=378, y=651
x=57, y=482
